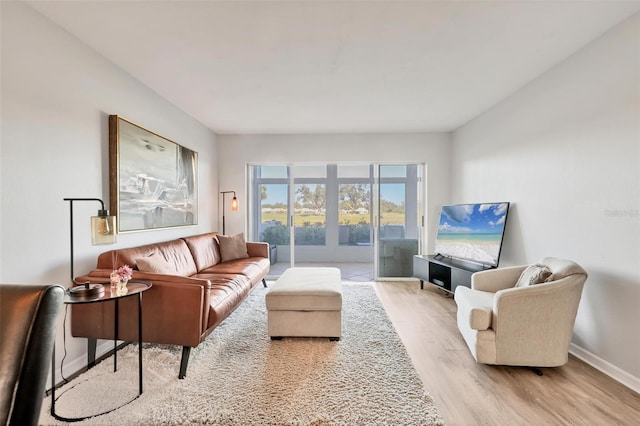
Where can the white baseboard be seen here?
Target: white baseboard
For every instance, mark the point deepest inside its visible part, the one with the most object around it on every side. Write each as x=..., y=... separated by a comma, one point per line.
x=606, y=367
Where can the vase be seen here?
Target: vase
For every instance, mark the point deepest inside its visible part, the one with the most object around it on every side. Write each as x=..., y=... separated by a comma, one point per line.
x=114, y=278
x=122, y=288
x=118, y=285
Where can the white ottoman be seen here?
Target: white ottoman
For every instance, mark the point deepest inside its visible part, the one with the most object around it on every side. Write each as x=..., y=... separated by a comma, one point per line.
x=305, y=302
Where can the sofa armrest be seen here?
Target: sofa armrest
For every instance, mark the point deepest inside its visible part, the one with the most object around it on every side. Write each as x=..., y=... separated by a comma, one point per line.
x=494, y=280
x=257, y=249
x=103, y=275
x=175, y=309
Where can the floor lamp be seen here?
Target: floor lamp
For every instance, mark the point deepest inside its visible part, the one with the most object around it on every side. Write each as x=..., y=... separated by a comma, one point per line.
x=103, y=231
x=234, y=207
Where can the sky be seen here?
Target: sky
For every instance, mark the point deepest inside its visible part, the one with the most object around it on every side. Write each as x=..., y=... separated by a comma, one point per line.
x=391, y=191
x=277, y=193
x=480, y=218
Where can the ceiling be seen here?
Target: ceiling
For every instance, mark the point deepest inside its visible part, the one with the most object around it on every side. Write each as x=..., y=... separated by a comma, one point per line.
x=335, y=67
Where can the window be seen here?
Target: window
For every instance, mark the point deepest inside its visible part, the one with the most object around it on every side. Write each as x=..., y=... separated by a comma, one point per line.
x=325, y=213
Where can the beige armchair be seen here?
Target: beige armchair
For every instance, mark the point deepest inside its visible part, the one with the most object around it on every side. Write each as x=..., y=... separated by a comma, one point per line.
x=521, y=315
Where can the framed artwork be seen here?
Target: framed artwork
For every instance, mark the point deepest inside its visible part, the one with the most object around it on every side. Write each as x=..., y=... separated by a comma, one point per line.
x=152, y=180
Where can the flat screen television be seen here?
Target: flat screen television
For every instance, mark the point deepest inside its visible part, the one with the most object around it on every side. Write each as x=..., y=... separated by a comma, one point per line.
x=472, y=232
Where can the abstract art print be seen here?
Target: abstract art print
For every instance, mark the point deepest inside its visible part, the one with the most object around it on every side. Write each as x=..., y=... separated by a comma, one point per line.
x=152, y=180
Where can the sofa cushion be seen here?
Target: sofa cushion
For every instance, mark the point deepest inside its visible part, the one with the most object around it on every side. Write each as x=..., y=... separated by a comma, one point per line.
x=113, y=259
x=205, y=250
x=175, y=252
x=533, y=274
x=253, y=267
x=178, y=255
x=155, y=263
x=232, y=247
x=227, y=292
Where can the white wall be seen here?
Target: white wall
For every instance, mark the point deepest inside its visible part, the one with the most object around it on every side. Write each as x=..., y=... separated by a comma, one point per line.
x=566, y=151
x=56, y=98
x=236, y=151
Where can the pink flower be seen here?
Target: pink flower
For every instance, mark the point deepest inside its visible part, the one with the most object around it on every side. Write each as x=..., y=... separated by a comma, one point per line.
x=125, y=272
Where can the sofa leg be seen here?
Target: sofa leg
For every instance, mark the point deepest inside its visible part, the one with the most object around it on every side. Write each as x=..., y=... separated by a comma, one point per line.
x=264, y=282
x=186, y=350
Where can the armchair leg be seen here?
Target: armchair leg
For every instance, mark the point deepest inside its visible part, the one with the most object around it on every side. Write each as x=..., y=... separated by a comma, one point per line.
x=537, y=371
x=186, y=350
x=264, y=282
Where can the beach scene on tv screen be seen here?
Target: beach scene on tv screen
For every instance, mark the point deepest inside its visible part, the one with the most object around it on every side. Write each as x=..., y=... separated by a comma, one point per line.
x=472, y=231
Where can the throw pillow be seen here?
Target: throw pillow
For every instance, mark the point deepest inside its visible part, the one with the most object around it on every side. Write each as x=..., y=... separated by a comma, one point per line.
x=232, y=247
x=534, y=274
x=155, y=263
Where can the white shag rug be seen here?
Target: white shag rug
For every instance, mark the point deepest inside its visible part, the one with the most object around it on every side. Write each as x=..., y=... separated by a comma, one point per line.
x=238, y=376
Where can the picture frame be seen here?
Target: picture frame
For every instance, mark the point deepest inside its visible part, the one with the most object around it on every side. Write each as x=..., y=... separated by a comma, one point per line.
x=153, y=181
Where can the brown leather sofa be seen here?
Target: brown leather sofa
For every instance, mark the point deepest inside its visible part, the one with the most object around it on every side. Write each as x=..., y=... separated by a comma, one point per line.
x=181, y=308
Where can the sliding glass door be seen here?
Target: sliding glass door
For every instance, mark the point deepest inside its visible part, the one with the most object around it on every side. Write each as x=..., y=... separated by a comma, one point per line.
x=398, y=212
x=270, y=213
x=337, y=215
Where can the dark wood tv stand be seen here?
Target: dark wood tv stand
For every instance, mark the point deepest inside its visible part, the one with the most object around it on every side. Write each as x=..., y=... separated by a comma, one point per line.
x=445, y=272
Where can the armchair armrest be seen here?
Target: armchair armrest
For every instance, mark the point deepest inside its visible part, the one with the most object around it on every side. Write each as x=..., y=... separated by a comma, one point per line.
x=474, y=307
x=494, y=280
x=480, y=318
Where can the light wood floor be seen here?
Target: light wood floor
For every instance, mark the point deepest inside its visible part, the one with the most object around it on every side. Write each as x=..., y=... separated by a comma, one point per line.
x=468, y=393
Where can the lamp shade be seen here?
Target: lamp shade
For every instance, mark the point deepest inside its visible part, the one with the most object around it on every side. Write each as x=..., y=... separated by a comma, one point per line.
x=234, y=204
x=103, y=228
